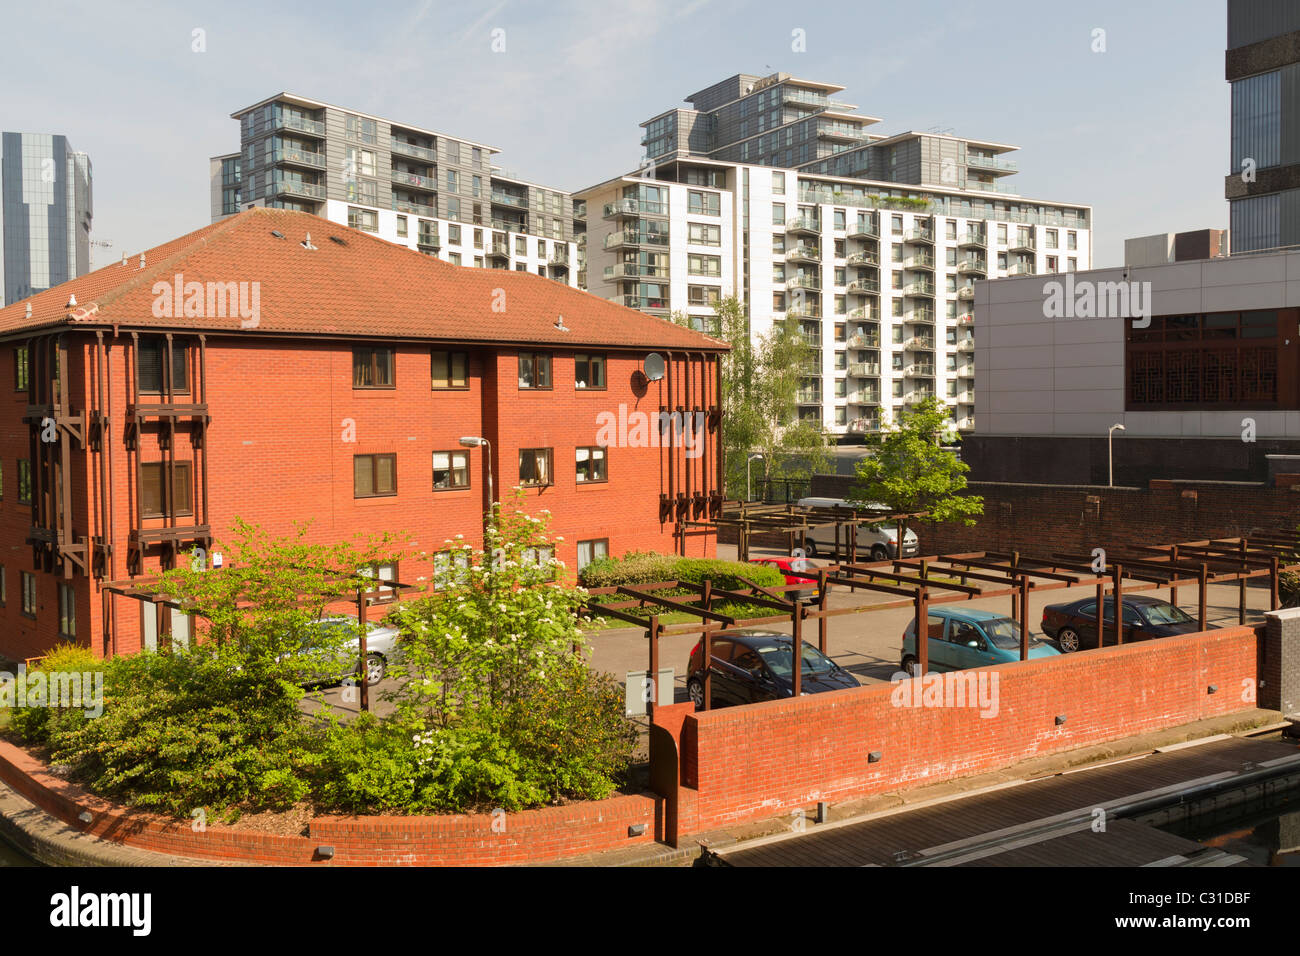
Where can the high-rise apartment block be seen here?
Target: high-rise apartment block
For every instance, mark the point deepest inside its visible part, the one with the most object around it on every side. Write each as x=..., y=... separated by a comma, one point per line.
x=1263, y=66
x=772, y=192
x=435, y=193
x=45, y=213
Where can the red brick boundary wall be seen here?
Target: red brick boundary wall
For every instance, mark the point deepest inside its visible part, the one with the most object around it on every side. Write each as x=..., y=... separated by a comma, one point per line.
x=531, y=836
x=1077, y=518
x=747, y=763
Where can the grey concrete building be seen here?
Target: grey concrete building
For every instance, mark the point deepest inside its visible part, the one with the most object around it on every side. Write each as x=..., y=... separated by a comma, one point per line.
x=1166, y=247
x=426, y=190
x=1263, y=66
x=46, y=206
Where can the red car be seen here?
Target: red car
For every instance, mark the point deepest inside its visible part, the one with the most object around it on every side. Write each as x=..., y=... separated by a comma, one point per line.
x=791, y=568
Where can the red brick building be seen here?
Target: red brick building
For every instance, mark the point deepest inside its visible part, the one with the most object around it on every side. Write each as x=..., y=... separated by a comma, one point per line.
x=247, y=370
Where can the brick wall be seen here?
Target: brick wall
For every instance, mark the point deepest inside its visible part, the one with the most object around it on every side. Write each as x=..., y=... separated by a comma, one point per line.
x=1074, y=518
x=531, y=836
x=763, y=760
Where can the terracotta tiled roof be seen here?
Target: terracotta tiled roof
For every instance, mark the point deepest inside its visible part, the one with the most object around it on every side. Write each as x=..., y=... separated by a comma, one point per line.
x=361, y=286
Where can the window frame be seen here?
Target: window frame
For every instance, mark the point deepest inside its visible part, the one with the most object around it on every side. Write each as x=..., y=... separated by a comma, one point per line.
x=24, y=480
x=67, y=610
x=28, y=581
x=593, y=556
x=374, y=475
x=180, y=352
x=604, y=458
x=550, y=467
x=451, y=386
x=358, y=350
x=22, y=368
x=185, y=467
x=588, y=358
x=451, y=469
x=550, y=371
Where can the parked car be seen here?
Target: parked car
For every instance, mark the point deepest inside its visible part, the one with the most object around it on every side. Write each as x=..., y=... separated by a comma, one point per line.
x=875, y=542
x=962, y=638
x=750, y=666
x=381, y=647
x=1074, y=626
x=791, y=568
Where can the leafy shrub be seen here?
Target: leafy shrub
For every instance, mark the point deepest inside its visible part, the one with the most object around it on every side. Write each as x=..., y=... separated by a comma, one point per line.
x=644, y=568
x=33, y=723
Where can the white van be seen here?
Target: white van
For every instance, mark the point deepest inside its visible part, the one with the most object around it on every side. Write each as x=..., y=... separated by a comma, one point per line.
x=875, y=543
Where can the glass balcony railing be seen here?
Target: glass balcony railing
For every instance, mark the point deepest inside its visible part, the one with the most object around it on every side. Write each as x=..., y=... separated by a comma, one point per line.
x=804, y=253
x=414, y=180
x=410, y=149
x=630, y=237
x=634, y=207
x=803, y=224
x=974, y=239
x=415, y=208
x=864, y=287
x=863, y=259
x=863, y=341
x=634, y=270
x=991, y=162
x=809, y=282
x=864, y=230
x=973, y=266
x=509, y=199
x=919, y=288
x=302, y=157
x=864, y=369
x=925, y=316
x=295, y=187
x=289, y=121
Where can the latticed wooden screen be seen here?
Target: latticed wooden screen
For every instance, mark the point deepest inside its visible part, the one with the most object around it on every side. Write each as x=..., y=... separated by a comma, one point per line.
x=1170, y=365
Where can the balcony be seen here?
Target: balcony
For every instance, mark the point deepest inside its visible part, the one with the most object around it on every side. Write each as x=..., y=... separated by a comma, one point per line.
x=979, y=239
x=414, y=180
x=415, y=208
x=499, y=249
x=299, y=157
x=1021, y=269
x=919, y=370
x=408, y=149
x=810, y=283
x=920, y=234
x=864, y=369
x=923, y=262
x=972, y=267
x=809, y=396
x=804, y=253
x=863, y=341
x=863, y=259
x=864, y=287
x=633, y=208
x=1023, y=244
x=922, y=289
x=923, y=316
x=860, y=426
x=804, y=225
x=809, y=310
x=919, y=342
x=643, y=303
x=841, y=134
x=288, y=121
x=293, y=187
x=634, y=270
x=864, y=397
x=965, y=345
x=428, y=240
x=559, y=258
x=995, y=163
x=864, y=230
x=966, y=318
x=631, y=239
x=509, y=199
x=962, y=398
x=861, y=314
x=966, y=292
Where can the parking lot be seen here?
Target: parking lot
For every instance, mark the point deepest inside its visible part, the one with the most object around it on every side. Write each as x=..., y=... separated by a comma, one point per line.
x=869, y=644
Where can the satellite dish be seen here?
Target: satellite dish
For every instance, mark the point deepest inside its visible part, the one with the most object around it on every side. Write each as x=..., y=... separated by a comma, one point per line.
x=654, y=366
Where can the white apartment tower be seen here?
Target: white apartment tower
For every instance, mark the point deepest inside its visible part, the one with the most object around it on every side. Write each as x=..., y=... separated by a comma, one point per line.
x=771, y=192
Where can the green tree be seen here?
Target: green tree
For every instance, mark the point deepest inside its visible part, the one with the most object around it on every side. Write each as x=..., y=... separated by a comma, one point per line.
x=761, y=380
x=907, y=470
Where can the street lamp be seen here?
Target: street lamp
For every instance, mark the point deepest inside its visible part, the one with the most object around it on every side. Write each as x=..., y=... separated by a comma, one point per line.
x=748, y=495
x=471, y=441
x=1110, y=453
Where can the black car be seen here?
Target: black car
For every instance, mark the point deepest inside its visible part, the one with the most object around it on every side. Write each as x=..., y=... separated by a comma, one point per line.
x=751, y=666
x=1074, y=626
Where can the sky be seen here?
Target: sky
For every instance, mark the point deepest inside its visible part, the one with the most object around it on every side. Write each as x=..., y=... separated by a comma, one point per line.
x=1137, y=129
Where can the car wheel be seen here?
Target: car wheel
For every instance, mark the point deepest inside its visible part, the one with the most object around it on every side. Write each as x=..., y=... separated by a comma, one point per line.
x=1067, y=639
x=695, y=687
x=878, y=553
x=811, y=548
x=376, y=667
x=909, y=664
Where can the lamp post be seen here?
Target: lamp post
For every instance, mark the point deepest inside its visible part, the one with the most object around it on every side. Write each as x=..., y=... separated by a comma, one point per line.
x=1110, y=453
x=748, y=495
x=472, y=441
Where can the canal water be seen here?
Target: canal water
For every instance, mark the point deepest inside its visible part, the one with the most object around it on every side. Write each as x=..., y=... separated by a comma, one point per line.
x=1263, y=836
x=11, y=857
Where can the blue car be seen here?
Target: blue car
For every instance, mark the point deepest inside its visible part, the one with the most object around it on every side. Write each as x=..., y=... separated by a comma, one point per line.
x=964, y=638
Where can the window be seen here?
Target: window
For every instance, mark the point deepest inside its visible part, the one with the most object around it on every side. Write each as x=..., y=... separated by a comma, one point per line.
x=1257, y=121
x=151, y=356
x=591, y=465
x=360, y=161
x=838, y=221
x=29, y=593
x=401, y=225
x=374, y=476
x=478, y=238
x=453, y=234
x=152, y=503
x=535, y=466
x=589, y=551
x=24, y=481
x=521, y=245
x=450, y=568
x=367, y=220
x=372, y=368
x=20, y=369
x=450, y=369
x=454, y=258
x=67, y=610
x=1072, y=240
x=703, y=295
x=588, y=371
x=701, y=265
x=360, y=128
x=380, y=572
x=703, y=204
x=778, y=184
x=177, y=622
x=539, y=558
x=704, y=234
x=778, y=214
x=1051, y=238
x=1219, y=360
x=534, y=370
x=450, y=470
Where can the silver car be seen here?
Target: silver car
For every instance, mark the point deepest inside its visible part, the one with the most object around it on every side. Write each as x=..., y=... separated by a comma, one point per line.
x=381, y=647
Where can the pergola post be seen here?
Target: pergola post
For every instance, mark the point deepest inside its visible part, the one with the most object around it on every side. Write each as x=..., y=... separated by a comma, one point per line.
x=1241, y=586
x=706, y=642
x=365, y=671
x=1202, y=589
x=923, y=629
x=652, y=631
x=1024, y=617
x=1173, y=588
x=1273, y=590
x=1119, y=605
x=822, y=602
x=797, y=647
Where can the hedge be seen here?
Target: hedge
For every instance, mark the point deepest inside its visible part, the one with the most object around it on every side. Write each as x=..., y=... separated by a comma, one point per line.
x=644, y=568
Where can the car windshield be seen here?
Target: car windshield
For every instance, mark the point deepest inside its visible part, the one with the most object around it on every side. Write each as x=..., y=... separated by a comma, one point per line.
x=777, y=657
x=1003, y=632
x=1165, y=614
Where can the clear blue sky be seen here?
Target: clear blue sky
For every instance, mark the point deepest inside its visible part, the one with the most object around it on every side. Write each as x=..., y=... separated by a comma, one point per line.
x=1140, y=131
